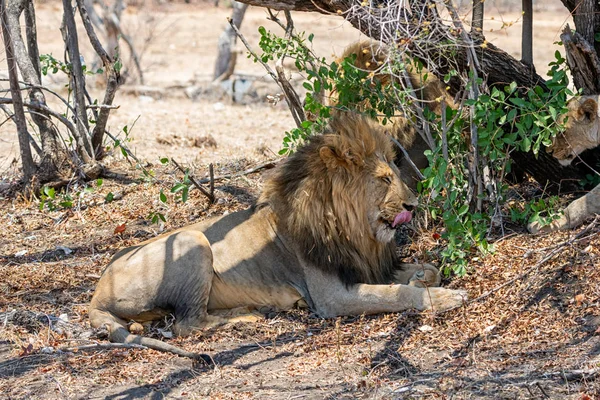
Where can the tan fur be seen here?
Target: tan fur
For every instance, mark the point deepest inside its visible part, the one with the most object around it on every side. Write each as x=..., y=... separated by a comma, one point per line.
x=582, y=133
x=428, y=89
x=582, y=129
x=320, y=236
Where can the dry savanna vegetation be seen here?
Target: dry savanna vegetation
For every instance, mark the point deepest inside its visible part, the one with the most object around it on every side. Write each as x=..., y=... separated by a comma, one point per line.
x=530, y=330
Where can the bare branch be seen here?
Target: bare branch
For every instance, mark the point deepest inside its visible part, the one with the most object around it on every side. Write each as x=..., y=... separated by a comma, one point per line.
x=82, y=138
x=45, y=112
x=265, y=165
x=282, y=82
x=113, y=79
x=407, y=157
x=210, y=196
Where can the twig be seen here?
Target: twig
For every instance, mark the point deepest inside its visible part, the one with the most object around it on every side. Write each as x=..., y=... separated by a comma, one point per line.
x=265, y=165
x=102, y=106
x=292, y=97
x=210, y=196
x=407, y=157
x=282, y=82
x=44, y=109
x=556, y=251
x=101, y=346
x=211, y=173
x=121, y=145
x=113, y=78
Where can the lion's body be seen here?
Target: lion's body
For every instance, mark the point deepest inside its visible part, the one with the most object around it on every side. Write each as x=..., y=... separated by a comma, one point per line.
x=582, y=132
x=321, y=235
x=427, y=89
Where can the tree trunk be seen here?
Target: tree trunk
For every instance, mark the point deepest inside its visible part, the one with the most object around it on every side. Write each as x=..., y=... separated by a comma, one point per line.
x=52, y=156
x=225, y=64
x=29, y=166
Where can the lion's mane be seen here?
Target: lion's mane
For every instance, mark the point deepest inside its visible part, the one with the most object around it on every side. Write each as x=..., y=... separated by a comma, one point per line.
x=322, y=203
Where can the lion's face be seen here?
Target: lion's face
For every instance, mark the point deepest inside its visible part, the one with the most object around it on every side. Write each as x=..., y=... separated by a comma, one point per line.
x=582, y=129
x=390, y=201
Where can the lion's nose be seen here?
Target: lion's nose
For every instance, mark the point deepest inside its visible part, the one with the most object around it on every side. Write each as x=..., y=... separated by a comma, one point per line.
x=408, y=207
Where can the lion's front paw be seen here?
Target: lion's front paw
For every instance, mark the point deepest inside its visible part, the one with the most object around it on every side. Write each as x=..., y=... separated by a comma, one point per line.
x=559, y=224
x=440, y=299
x=427, y=277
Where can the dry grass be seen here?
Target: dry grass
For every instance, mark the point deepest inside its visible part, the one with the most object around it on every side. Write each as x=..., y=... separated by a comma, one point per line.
x=534, y=330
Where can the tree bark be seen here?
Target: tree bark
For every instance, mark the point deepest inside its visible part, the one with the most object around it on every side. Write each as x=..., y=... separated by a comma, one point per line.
x=29, y=166
x=52, y=155
x=226, y=59
x=583, y=61
x=527, y=33
x=477, y=20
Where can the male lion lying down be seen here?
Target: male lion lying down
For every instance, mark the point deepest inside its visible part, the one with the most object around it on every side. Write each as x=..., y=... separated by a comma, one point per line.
x=582, y=132
x=321, y=235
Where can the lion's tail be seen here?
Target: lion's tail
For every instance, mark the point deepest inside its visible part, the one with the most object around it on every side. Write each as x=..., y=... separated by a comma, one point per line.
x=119, y=334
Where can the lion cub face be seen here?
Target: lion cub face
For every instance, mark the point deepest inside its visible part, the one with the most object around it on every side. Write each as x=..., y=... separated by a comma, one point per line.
x=582, y=129
x=393, y=199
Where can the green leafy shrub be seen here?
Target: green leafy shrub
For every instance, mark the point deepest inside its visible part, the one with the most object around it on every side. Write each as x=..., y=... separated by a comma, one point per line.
x=504, y=120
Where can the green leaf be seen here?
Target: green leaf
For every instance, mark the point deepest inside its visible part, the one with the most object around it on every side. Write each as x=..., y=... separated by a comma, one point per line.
x=109, y=197
x=163, y=197
x=184, y=194
x=177, y=188
x=164, y=160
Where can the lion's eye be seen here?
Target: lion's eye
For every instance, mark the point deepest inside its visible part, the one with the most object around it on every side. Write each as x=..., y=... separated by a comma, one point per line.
x=387, y=179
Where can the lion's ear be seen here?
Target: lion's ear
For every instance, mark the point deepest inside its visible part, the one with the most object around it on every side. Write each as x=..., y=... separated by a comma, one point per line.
x=334, y=157
x=589, y=110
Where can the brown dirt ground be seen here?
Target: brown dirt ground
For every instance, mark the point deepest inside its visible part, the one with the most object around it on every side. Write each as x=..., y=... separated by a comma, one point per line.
x=525, y=340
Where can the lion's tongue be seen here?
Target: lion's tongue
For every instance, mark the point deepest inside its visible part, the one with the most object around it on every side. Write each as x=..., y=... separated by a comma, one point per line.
x=402, y=218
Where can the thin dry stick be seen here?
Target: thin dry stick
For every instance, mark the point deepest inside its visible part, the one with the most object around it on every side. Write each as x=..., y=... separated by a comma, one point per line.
x=210, y=196
x=211, y=173
x=556, y=251
x=113, y=78
x=293, y=100
x=474, y=66
x=285, y=87
x=43, y=108
x=101, y=346
x=407, y=157
x=265, y=165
